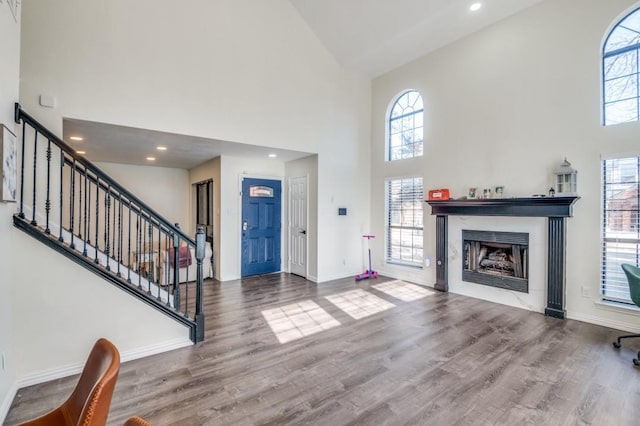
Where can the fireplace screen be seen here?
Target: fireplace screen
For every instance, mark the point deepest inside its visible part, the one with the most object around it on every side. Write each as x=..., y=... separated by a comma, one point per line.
x=497, y=259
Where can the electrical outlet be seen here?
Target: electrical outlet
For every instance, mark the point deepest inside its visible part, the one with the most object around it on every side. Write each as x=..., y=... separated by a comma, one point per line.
x=586, y=292
x=427, y=262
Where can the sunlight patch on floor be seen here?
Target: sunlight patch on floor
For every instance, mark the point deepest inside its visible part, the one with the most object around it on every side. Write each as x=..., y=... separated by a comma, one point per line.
x=403, y=291
x=292, y=322
x=359, y=303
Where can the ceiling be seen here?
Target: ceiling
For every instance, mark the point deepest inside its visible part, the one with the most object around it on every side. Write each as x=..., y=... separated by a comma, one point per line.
x=129, y=145
x=366, y=36
x=376, y=36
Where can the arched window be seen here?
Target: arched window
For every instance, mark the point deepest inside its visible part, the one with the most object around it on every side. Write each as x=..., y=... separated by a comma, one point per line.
x=406, y=122
x=620, y=64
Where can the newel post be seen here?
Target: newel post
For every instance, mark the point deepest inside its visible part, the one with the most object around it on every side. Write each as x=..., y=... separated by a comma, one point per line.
x=200, y=248
x=176, y=271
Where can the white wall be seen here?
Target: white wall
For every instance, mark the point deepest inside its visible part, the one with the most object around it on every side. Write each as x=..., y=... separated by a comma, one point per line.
x=9, y=71
x=61, y=314
x=236, y=70
x=504, y=106
x=166, y=190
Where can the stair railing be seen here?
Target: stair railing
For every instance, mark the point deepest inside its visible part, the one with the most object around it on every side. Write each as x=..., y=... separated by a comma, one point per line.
x=90, y=216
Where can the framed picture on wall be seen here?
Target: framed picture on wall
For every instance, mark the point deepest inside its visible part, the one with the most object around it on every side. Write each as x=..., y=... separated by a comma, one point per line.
x=9, y=149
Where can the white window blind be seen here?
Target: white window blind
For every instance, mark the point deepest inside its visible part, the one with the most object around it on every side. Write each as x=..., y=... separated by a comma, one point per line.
x=620, y=230
x=405, y=198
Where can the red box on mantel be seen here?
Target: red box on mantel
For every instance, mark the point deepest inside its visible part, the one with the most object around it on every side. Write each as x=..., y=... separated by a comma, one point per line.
x=438, y=194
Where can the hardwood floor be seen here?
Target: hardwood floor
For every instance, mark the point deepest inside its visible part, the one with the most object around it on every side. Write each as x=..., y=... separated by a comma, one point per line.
x=441, y=360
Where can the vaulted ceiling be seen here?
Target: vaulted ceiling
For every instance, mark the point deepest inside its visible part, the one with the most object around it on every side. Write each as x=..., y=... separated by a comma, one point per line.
x=376, y=36
x=367, y=36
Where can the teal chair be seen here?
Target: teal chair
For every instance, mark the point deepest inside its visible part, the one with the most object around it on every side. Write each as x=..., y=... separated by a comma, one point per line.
x=633, y=278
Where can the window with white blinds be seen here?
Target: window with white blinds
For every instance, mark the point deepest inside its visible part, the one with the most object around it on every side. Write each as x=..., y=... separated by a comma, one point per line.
x=404, y=237
x=620, y=226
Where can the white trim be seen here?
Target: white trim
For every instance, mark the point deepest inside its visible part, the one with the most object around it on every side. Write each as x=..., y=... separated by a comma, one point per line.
x=622, y=308
x=7, y=401
x=75, y=368
x=409, y=274
x=312, y=278
x=337, y=276
x=631, y=327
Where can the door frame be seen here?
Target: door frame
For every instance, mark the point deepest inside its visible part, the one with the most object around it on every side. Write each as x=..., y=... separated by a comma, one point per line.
x=289, y=205
x=242, y=176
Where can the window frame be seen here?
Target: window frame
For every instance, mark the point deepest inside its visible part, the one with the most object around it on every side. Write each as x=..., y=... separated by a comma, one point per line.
x=620, y=51
x=388, y=227
x=608, y=276
x=390, y=119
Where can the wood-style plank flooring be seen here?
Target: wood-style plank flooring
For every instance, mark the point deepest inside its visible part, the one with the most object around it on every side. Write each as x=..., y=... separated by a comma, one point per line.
x=441, y=360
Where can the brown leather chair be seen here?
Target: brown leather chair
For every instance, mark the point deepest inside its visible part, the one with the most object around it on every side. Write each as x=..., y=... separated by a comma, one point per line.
x=136, y=421
x=89, y=402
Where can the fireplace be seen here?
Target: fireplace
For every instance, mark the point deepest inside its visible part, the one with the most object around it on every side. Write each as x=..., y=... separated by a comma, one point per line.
x=555, y=209
x=496, y=259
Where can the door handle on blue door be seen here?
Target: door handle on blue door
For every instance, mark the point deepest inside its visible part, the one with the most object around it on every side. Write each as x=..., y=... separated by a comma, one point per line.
x=245, y=225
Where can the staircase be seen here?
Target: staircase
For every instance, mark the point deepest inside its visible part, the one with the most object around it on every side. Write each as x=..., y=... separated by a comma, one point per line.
x=72, y=206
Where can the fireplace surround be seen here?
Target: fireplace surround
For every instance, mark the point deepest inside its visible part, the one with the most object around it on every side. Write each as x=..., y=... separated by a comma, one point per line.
x=555, y=209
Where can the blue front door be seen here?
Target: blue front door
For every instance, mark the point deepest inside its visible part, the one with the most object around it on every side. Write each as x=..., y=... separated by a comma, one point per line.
x=260, y=226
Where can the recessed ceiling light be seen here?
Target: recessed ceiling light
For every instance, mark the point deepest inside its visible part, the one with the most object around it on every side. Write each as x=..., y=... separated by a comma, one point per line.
x=76, y=138
x=151, y=158
x=475, y=6
x=81, y=152
x=273, y=155
x=161, y=148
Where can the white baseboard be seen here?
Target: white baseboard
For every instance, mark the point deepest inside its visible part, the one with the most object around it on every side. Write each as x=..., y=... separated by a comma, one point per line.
x=75, y=368
x=337, y=276
x=7, y=401
x=414, y=276
x=605, y=322
x=312, y=278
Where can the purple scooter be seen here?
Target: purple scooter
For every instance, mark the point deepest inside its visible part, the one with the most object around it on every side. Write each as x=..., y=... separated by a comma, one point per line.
x=369, y=273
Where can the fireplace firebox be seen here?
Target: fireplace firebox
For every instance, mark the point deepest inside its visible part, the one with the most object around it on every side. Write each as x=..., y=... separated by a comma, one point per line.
x=496, y=259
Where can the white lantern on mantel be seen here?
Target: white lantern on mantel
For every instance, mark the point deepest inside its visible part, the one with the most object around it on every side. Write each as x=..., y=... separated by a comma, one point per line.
x=566, y=180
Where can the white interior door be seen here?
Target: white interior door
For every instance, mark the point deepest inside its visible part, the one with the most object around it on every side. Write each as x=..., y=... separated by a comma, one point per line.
x=298, y=225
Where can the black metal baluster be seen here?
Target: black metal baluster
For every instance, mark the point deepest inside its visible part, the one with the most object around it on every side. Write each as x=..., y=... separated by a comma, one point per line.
x=35, y=168
x=88, y=212
x=47, y=203
x=165, y=263
x=143, y=249
x=186, y=291
x=176, y=273
x=158, y=267
x=87, y=193
x=107, y=212
x=72, y=199
x=112, y=235
x=150, y=263
x=24, y=135
x=119, y=234
x=61, y=238
x=138, y=249
x=129, y=245
x=79, y=207
x=97, y=242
